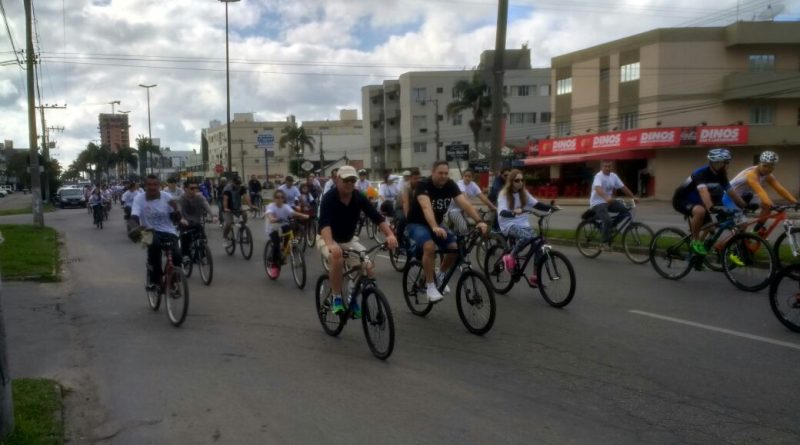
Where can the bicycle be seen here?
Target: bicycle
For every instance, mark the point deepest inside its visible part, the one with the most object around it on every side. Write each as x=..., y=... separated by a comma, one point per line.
x=635, y=236
x=553, y=272
x=173, y=283
x=291, y=248
x=241, y=235
x=672, y=257
x=97, y=215
x=255, y=207
x=784, y=296
x=476, y=307
x=200, y=254
x=787, y=245
x=376, y=314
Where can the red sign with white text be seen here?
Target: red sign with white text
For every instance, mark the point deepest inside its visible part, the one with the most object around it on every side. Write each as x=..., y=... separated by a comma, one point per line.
x=722, y=135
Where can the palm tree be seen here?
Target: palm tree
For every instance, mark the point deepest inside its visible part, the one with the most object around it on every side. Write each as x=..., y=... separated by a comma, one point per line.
x=473, y=95
x=145, y=146
x=296, y=139
x=123, y=158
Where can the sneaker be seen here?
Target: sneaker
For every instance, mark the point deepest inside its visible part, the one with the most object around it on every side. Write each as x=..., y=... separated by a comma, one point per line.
x=274, y=271
x=439, y=279
x=433, y=294
x=735, y=260
x=355, y=310
x=533, y=281
x=509, y=262
x=337, y=306
x=699, y=248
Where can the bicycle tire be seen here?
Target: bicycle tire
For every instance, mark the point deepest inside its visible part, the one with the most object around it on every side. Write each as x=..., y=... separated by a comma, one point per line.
x=153, y=297
x=311, y=233
x=588, y=239
x=551, y=277
x=205, y=264
x=377, y=235
x=636, y=242
x=268, y=261
x=477, y=309
x=414, y=290
x=177, y=298
x=331, y=323
x=188, y=267
x=783, y=249
x=246, y=242
x=298, y=266
x=483, y=246
x=671, y=246
x=230, y=246
x=753, y=251
x=783, y=293
x=378, y=323
x=370, y=230
x=399, y=258
x=713, y=260
x=499, y=278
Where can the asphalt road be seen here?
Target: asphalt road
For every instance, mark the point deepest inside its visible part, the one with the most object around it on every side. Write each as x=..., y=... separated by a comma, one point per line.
x=635, y=359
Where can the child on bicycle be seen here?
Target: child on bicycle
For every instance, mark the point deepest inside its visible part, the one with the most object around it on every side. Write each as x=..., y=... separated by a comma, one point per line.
x=512, y=201
x=276, y=217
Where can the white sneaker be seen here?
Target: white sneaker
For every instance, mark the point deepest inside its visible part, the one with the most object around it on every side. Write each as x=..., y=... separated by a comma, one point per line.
x=439, y=279
x=433, y=293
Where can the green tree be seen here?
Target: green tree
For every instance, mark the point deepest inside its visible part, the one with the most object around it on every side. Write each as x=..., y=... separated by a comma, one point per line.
x=296, y=140
x=473, y=95
x=145, y=146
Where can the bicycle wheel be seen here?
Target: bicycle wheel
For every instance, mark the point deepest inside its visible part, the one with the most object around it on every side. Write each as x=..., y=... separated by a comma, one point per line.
x=298, y=265
x=177, y=298
x=378, y=323
x=784, y=254
x=714, y=259
x=501, y=279
x=475, y=302
x=399, y=258
x=784, y=296
x=748, y=262
x=636, y=242
x=153, y=296
x=332, y=324
x=588, y=238
x=370, y=229
x=268, y=260
x=556, y=278
x=189, y=266
x=485, y=244
x=246, y=242
x=414, y=289
x=670, y=253
x=230, y=245
x=205, y=264
x=311, y=233
x=377, y=235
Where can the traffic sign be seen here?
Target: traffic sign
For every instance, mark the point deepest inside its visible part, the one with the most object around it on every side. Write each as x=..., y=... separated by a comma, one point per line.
x=307, y=166
x=456, y=152
x=218, y=169
x=266, y=141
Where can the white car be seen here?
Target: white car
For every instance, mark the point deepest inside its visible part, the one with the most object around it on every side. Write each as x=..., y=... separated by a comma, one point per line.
x=3, y=193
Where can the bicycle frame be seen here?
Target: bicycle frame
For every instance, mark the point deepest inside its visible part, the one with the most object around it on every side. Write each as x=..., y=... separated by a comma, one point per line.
x=465, y=245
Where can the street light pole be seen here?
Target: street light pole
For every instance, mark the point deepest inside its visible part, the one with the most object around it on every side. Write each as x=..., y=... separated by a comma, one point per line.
x=228, y=83
x=149, y=129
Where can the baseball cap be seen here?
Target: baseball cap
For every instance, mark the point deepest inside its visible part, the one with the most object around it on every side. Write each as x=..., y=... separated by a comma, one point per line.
x=347, y=172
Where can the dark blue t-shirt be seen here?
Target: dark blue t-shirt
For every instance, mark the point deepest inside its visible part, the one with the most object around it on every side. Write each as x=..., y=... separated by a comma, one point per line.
x=717, y=184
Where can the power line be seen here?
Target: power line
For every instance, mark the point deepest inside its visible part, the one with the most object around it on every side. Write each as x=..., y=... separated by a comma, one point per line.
x=10, y=36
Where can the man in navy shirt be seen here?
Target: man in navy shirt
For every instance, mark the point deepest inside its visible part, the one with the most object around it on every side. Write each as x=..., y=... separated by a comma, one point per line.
x=338, y=218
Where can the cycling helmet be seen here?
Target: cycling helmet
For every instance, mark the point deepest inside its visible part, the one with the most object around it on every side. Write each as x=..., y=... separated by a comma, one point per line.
x=362, y=172
x=719, y=155
x=768, y=157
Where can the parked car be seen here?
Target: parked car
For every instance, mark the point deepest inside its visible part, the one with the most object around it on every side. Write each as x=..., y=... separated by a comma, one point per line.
x=3, y=193
x=70, y=197
x=8, y=188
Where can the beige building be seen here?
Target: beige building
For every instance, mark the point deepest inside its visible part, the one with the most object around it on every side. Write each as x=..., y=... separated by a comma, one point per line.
x=741, y=81
x=339, y=140
x=406, y=122
x=114, y=131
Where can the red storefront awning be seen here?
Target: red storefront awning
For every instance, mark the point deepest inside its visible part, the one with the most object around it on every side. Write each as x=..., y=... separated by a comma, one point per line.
x=617, y=155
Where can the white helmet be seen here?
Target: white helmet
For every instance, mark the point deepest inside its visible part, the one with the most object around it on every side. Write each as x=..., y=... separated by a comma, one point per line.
x=768, y=157
x=719, y=155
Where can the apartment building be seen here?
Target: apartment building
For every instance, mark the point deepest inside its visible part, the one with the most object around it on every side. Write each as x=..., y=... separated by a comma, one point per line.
x=114, y=131
x=657, y=101
x=339, y=141
x=406, y=122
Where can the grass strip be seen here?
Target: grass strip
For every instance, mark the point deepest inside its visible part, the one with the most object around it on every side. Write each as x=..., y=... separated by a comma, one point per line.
x=37, y=413
x=29, y=253
x=26, y=210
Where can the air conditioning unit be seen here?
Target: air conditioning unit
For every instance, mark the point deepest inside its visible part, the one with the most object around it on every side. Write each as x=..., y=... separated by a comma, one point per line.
x=423, y=130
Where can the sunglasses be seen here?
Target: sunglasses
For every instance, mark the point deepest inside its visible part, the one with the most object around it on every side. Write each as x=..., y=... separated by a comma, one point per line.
x=349, y=180
x=518, y=180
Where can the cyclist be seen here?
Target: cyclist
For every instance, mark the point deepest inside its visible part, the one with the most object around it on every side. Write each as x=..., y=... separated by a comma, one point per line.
x=511, y=202
x=331, y=183
x=471, y=190
x=290, y=190
x=387, y=194
x=232, y=205
x=404, y=203
x=276, y=218
x=95, y=202
x=750, y=183
x=155, y=210
x=223, y=182
x=604, y=187
x=254, y=188
x=172, y=187
x=363, y=184
x=497, y=184
x=314, y=186
x=432, y=198
x=193, y=207
x=702, y=190
x=339, y=215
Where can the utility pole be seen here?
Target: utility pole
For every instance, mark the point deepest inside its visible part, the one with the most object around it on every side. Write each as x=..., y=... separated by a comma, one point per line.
x=36, y=190
x=321, y=156
x=438, y=142
x=241, y=157
x=497, y=85
x=46, y=148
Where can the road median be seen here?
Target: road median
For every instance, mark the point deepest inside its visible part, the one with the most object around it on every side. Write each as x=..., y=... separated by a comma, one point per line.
x=29, y=253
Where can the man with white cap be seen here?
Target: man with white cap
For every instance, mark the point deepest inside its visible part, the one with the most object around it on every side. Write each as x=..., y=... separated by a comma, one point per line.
x=338, y=218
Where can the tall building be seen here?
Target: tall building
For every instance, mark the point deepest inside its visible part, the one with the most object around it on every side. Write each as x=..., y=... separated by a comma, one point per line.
x=114, y=131
x=339, y=141
x=407, y=124
x=655, y=102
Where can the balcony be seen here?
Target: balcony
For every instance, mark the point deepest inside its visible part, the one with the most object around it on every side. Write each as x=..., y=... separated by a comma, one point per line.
x=377, y=116
x=761, y=85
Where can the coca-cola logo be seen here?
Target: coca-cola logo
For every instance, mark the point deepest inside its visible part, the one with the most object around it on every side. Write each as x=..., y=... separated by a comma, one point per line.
x=565, y=145
x=607, y=140
x=658, y=137
x=718, y=135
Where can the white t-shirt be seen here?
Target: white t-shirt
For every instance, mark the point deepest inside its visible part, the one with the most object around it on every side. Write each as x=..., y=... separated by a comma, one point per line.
x=388, y=191
x=292, y=193
x=127, y=197
x=520, y=220
x=362, y=185
x=328, y=185
x=608, y=183
x=154, y=214
x=470, y=191
x=282, y=213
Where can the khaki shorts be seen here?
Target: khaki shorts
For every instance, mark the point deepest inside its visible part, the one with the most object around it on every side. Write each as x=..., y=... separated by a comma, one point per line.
x=227, y=217
x=352, y=260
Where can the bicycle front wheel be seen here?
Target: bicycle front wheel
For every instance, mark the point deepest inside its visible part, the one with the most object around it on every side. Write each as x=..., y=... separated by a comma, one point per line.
x=370, y=229
x=177, y=297
x=556, y=278
x=188, y=266
x=311, y=233
x=398, y=258
x=636, y=242
x=475, y=302
x=748, y=262
x=153, y=296
x=784, y=296
x=268, y=260
x=246, y=242
x=414, y=289
x=588, y=239
x=230, y=243
x=670, y=253
x=378, y=323
x=332, y=324
x=784, y=253
x=205, y=263
x=298, y=266
x=501, y=280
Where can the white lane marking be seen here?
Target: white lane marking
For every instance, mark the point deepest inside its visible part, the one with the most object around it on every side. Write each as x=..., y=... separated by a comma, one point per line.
x=720, y=330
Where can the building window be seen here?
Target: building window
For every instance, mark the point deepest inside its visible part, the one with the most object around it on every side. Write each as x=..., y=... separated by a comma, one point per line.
x=544, y=90
x=420, y=147
x=629, y=121
x=419, y=94
x=524, y=90
x=517, y=118
x=605, y=74
x=457, y=119
x=761, y=62
x=530, y=118
x=420, y=121
x=439, y=90
x=545, y=117
x=564, y=86
x=629, y=72
x=762, y=115
x=563, y=129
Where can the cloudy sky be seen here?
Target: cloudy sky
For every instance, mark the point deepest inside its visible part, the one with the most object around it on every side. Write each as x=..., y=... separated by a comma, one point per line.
x=304, y=57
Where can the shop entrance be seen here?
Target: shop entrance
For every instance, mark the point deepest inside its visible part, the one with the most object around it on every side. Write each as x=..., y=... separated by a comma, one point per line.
x=630, y=173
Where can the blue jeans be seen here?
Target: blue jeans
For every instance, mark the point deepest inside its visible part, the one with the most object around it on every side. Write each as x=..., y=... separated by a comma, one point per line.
x=420, y=234
x=522, y=236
